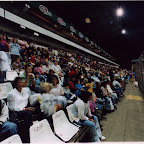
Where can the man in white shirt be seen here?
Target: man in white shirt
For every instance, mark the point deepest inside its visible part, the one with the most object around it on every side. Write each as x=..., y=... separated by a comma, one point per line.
x=18, y=104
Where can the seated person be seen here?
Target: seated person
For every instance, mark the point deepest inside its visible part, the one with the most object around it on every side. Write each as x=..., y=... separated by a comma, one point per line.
x=79, y=87
x=89, y=85
x=56, y=68
x=57, y=90
x=109, y=104
x=81, y=115
x=29, y=79
x=38, y=69
x=67, y=92
x=49, y=102
x=18, y=104
x=93, y=107
x=17, y=66
x=7, y=128
x=37, y=80
x=72, y=87
x=49, y=75
x=46, y=68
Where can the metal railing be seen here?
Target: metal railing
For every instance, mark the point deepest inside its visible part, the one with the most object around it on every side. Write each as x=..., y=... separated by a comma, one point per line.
x=139, y=72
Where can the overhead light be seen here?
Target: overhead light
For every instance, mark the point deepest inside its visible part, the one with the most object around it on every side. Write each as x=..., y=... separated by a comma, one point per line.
x=36, y=34
x=22, y=26
x=87, y=20
x=119, y=12
x=123, y=31
x=72, y=33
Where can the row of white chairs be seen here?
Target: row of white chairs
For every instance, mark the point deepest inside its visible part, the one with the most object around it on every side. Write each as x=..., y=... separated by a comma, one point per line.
x=41, y=132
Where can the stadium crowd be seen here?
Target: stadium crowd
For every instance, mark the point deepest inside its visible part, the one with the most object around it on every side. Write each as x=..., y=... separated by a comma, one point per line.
x=49, y=80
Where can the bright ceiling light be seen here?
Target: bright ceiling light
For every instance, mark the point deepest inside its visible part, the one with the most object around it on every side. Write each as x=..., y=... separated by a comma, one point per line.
x=123, y=31
x=119, y=12
x=87, y=20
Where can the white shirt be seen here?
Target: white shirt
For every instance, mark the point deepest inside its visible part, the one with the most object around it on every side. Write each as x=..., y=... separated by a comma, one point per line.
x=116, y=83
x=109, y=89
x=95, y=79
x=50, y=63
x=4, y=61
x=80, y=110
x=57, y=90
x=4, y=112
x=45, y=68
x=16, y=100
x=55, y=68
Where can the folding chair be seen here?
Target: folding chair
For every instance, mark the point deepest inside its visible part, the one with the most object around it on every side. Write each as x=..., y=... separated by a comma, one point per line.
x=41, y=133
x=13, y=139
x=11, y=75
x=5, y=88
x=62, y=127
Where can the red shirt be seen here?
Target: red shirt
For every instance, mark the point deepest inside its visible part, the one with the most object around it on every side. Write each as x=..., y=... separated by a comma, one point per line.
x=71, y=86
x=72, y=73
x=32, y=59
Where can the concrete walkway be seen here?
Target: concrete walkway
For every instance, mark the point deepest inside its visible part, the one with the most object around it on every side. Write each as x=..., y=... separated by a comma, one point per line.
x=127, y=122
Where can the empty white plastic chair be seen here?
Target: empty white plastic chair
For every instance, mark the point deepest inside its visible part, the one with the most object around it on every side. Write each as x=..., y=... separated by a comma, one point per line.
x=13, y=139
x=11, y=75
x=5, y=88
x=62, y=127
x=41, y=133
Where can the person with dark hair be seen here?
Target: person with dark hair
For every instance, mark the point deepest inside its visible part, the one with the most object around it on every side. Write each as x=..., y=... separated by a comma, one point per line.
x=49, y=76
x=14, y=49
x=109, y=104
x=7, y=128
x=81, y=115
x=19, y=108
x=37, y=80
x=56, y=68
x=72, y=87
x=67, y=92
x=89, y=85
x=17, y=66
x=4, y=43
x=39, y=69
x=74, y=72
x=57, y=90
x=28, y=77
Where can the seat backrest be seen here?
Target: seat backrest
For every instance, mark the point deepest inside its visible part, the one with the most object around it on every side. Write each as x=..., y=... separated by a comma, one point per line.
x=69, y=111
x=5, y=88
x=11, y=75
x=13, y=139
x=41, y=132
x=59, y=118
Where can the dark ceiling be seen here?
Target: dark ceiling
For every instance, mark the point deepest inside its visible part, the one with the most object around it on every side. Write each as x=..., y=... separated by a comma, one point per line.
x=105, y=27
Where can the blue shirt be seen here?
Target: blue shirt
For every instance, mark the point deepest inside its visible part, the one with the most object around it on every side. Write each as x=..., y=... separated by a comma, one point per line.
x=14, y=49
x=37, y=81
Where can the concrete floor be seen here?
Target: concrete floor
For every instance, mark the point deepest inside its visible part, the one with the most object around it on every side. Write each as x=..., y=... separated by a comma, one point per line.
x=126, y=124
